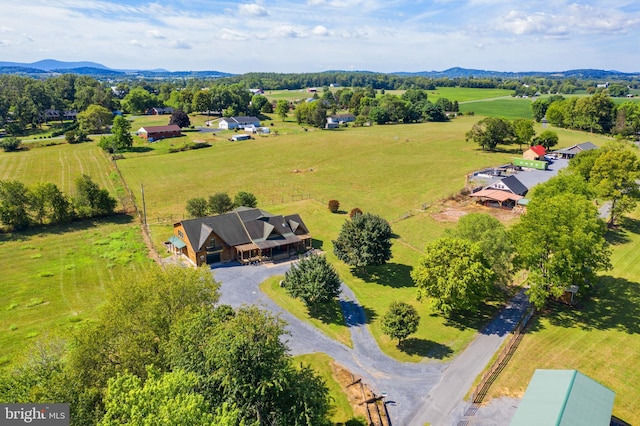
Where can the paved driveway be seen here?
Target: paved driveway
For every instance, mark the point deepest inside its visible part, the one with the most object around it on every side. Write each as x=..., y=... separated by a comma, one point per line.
x=416, y=392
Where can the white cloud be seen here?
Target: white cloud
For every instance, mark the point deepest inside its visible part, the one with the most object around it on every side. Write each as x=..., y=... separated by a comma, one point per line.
x=180, y=44
x=4, y=29
x=253, y=9
x=232, y=35
x=4, y=43
x=137, y=43
x=320, y=30
x=288, y=31
x=154, y=34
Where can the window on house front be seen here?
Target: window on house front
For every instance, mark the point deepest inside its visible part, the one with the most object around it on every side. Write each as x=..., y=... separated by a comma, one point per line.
x=180, y=234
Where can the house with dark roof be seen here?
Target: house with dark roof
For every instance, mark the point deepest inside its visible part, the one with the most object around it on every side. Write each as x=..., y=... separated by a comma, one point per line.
x=154, y=133
x=504, y=193
x=243, y=235
x=160, y=110
x=572, y=151
x=230, y=123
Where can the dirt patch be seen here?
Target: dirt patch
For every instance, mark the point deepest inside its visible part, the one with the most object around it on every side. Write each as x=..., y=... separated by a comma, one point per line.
x=360, y=396
x=453, y=210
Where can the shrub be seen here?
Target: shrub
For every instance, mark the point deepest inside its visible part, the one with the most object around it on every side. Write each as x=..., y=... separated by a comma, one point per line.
x=355, y=211
x=334, y=205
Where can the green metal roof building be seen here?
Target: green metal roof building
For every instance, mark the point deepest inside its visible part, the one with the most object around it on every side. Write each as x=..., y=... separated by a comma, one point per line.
x=564, y=398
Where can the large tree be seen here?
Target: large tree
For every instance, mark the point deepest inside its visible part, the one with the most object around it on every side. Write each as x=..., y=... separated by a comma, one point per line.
x=364, y=240
x=400, y=320
x=15, y=200
x=560, y=240
x=138, y=100
x=48, y=202
x=197, y=207
x=615, y=176
x=253, y=370
x=220, y=202
x=547, y=138
x=246, y=199
x=313, y=280
x=523, y=131
x=491, y=132
x=91, y=200
x=95, y=119
x=120, y=137
x=492, y=238
x=282, y=108
x=454, y=273
x=180, y=118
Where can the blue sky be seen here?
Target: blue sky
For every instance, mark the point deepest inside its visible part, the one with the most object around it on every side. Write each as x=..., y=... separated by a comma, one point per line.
x=318, y=35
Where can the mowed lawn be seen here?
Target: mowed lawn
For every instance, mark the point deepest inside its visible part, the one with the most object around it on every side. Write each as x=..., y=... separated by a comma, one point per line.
x=60, y=164
x=601, y=338
x=387, y=170
x=54, y=279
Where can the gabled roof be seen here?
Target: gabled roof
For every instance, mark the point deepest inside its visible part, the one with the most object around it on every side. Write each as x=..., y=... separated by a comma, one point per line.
x=241, y=119
x=497, y=195
x=245, y=226
x=564, y=398
x=539, y=150
x=159, y=129
x=511, y=184
x=575, y=149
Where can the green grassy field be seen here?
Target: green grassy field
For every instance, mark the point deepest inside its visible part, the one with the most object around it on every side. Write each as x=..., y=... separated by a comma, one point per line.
x=506, y=108
x=601, y=338
x=399, y=168
x=60, y=164
x=54, y=279
x=321, y=363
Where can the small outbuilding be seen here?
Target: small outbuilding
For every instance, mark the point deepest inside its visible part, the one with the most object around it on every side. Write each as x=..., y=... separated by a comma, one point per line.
x=536, y=152
x=564, y=398
x=154, y=133
x=572, y=151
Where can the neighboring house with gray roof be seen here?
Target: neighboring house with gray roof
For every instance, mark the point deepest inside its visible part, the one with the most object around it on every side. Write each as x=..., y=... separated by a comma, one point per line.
x=511, y=184
x=572, y=151
x=230, y=123
x=243, y=235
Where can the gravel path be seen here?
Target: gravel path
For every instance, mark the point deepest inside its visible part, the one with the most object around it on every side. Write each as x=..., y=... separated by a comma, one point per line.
x=416, y=392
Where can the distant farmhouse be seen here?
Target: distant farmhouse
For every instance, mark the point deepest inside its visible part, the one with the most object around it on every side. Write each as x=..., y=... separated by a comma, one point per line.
x=53, y=115
x=243, y=235
x=336, y=120
x=154, y=133
x=159, y=111
x=230, y=123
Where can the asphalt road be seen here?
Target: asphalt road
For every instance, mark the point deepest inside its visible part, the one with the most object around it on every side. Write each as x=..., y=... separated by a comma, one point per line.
x=416, y=392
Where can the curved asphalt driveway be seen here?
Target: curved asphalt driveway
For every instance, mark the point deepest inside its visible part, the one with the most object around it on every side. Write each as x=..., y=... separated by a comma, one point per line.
x=416, y=392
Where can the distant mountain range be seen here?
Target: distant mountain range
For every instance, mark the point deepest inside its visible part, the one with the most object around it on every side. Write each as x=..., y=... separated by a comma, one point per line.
x=94, y=69
x=53, y=67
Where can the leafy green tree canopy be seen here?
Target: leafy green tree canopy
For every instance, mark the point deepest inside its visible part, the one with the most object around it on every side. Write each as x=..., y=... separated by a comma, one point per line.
x=95, y=119
x=365, y=240
x=180, y=118
x=246, y=199
x=220, y=203
x=490, y=132
x=120, y=138
x=197, y=207
x=400, y=320
x=560, y=240
x=454, y=273
x=547, y=138
x=313, y=280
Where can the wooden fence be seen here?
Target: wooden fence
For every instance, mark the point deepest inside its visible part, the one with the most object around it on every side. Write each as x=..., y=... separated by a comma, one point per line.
x=504, y=356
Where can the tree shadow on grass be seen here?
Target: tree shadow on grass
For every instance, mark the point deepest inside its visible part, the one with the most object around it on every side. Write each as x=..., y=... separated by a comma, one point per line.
x=613, y=305
x=316, y=244
x=393, y=275
x=463, y=320
x=139, y=149
x=328, y=313
x=620, y=235
x=424, y=348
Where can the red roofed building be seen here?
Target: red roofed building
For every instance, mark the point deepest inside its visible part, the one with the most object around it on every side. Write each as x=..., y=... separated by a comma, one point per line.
x=536, y=152
x=153, y=133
